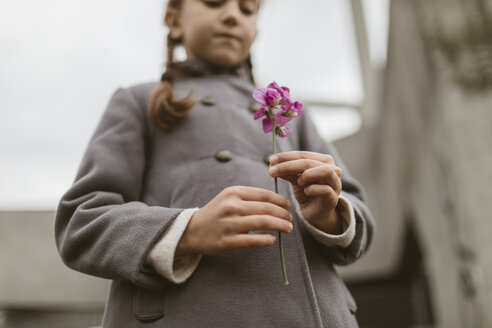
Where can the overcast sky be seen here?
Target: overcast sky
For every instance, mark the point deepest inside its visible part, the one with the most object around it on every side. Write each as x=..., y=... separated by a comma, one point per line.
x=61, y=60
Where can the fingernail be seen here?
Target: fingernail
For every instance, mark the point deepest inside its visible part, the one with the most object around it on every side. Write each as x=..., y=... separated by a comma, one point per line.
x=273, y=170
x=299, y=181
x=273, y=159
x=289, y=204
x=290, y=226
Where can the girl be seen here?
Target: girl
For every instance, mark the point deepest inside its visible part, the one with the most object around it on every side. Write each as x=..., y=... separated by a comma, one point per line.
x=173, y=198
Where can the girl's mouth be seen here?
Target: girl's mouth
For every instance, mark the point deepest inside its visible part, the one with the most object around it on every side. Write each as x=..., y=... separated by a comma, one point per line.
x=227, y=36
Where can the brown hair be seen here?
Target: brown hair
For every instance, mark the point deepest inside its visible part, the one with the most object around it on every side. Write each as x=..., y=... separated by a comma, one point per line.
x=165, y=110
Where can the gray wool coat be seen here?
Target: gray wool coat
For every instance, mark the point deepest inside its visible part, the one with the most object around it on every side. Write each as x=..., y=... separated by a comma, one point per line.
x=135, y=179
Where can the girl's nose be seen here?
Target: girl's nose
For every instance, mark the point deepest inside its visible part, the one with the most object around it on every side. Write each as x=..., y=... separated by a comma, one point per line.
x=231, y=12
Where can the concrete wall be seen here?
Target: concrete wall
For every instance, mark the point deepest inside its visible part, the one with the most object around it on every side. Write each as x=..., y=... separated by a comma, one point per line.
x=31, y=272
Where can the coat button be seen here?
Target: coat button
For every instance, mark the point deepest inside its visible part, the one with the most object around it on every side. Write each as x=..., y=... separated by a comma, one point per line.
x=267, y=159
x=208, y=101
x=223, y=156
x=254, y=107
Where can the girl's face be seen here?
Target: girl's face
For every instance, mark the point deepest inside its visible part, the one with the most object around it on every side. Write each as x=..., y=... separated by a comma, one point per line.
x=219, y=31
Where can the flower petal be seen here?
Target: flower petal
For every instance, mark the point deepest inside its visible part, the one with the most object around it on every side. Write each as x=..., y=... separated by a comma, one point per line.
x=260, y=112
x=282, y=120
x=286, y=106
x=272, y=97
x=267, y=125
x=273, y=85
x=297, y=106
x=260, y=95
x=283, y=91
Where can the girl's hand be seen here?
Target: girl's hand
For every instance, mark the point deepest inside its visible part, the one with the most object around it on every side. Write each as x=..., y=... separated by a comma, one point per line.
x=223, y=224
x=316, y=182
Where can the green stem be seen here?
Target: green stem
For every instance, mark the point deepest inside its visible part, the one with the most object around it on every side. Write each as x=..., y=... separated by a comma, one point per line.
x=282, y=260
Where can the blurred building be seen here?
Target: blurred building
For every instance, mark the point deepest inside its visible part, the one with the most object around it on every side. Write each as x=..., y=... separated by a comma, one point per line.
x=426, y=161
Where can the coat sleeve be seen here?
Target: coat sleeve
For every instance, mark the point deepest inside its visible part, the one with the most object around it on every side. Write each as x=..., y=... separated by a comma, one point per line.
x=310, y=140
x=162, y=256
x=101, y=227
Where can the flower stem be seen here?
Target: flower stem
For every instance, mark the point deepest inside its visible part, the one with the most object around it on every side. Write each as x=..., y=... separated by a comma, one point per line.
x=282, y=260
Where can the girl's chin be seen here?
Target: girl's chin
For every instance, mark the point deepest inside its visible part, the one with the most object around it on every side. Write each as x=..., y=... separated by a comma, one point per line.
x=226, y=60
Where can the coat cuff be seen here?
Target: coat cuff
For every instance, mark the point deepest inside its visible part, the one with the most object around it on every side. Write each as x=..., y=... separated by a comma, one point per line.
x=161, y=257
x=346, y=212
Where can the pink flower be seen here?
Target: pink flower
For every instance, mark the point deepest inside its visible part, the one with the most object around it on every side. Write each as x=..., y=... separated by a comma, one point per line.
x=294, y=110
x=284, y=91
x=281, y=130
x=276, y=107
x=267, y=96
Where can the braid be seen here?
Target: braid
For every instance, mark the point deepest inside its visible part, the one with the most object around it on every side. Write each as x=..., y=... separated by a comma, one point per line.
x=165, y=110
x=249, y=64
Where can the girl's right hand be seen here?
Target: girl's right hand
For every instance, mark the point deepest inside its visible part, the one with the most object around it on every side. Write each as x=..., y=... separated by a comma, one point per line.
x=223, y=224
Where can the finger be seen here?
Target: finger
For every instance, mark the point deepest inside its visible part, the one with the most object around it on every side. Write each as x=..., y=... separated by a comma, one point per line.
x=316, y=190
x=294, y=167
x=264, y=208
x=293, y=155
x=260, y=222
x=260, y=195
x=324, y=174
x=338, y=171
x=249, y=241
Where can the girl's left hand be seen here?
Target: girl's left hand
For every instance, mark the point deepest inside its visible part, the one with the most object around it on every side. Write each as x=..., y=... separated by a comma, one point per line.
x=316, y=182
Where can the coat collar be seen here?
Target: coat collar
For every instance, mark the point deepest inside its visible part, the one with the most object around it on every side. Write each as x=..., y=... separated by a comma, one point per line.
x=197, y=67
